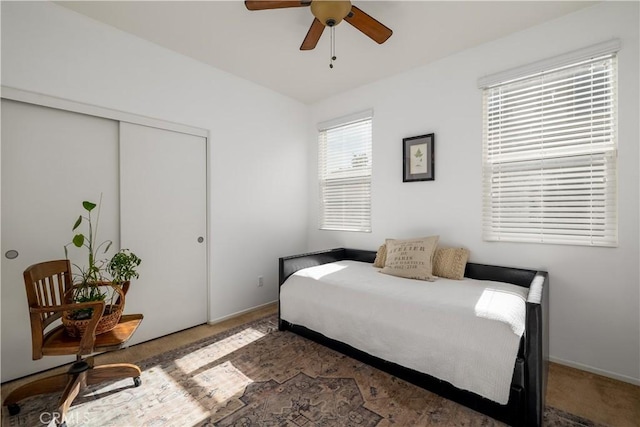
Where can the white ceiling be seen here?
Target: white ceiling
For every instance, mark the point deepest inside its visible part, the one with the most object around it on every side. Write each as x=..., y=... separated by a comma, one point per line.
x=263, y=46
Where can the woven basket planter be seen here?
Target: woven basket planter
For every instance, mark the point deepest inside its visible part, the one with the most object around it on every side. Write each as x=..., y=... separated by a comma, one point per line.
x=108, y=321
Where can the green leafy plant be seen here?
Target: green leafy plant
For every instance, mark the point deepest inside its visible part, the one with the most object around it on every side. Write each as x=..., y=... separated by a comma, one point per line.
x=122, y=266
x=93, y=273
x=119, y=269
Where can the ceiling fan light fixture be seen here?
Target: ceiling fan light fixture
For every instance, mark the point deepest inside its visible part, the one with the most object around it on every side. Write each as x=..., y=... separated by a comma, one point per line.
x=330, y=13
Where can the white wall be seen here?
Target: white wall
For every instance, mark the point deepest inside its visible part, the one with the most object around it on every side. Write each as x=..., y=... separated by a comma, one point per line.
x=595, y=297
x=257, y=145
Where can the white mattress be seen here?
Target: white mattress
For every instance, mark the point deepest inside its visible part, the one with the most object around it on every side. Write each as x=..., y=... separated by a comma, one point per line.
x=466, y=332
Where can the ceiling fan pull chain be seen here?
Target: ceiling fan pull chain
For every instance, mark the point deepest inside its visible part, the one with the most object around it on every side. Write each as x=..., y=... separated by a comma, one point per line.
x=333, y=46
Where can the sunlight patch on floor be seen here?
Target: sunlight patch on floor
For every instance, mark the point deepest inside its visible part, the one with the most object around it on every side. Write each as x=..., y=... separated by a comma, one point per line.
x=169, y=402
x=216, y=350
x=225, y=380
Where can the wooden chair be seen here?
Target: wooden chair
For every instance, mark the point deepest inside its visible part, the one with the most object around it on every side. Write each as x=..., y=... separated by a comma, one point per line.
x=46, y=284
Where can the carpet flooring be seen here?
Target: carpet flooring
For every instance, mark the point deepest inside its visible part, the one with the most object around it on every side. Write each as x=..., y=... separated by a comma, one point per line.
x=254, y=375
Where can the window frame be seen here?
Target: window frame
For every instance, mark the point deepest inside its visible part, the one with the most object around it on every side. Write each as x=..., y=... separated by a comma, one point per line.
x=349, y=135
x=512, y=170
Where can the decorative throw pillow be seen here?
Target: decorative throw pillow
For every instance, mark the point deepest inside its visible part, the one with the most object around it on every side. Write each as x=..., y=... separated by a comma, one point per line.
x=381, y=256
x=450, y=262
x=411, y=258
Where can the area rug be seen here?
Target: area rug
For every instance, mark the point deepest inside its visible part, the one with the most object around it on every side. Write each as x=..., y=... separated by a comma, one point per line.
x=254, y=375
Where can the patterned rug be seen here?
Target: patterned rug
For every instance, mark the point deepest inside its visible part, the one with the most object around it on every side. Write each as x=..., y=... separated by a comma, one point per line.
x=254, y=375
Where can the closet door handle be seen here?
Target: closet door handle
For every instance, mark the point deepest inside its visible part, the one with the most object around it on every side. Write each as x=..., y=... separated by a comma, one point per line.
x=200, y=239
x=11, y=254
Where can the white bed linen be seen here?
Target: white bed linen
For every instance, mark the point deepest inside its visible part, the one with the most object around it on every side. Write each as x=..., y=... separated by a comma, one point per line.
x=466, y=332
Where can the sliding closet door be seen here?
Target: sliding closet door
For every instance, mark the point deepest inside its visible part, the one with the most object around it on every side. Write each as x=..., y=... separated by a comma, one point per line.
x=52, y=160
x=163, y=220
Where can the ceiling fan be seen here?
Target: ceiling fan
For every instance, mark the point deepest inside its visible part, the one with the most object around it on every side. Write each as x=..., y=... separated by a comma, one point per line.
x=328, y=14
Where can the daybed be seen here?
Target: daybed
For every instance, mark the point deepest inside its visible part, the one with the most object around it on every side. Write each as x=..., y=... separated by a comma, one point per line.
x=527, y=387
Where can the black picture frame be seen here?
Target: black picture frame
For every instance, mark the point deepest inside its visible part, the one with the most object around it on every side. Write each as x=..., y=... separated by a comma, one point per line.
x=418, y=162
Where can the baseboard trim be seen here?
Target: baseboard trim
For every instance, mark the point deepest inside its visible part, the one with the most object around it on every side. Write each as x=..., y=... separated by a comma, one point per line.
x=240, y=313
x=587, y=368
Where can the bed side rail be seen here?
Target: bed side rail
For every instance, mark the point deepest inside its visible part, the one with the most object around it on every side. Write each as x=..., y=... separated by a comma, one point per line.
x=537, y=347
x=360, y=255
x=291, y=264
x=516, y=276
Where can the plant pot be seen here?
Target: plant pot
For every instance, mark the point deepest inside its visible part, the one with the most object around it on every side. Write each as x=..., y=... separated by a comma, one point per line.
x=110, y=318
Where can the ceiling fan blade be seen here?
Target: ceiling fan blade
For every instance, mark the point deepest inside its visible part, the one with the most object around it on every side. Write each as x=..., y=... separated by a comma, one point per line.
x=313, y=35
x=368, y=25
x=268, y=4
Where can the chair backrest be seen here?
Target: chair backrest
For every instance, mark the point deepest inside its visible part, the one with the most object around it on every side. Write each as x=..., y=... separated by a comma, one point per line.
x=47, y=284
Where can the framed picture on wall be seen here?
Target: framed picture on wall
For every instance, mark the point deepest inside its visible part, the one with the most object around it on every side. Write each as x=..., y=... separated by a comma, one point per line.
x=417, y=158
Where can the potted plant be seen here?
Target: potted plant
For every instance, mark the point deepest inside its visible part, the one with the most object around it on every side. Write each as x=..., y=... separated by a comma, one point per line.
x=100, y=278
x=122, y=268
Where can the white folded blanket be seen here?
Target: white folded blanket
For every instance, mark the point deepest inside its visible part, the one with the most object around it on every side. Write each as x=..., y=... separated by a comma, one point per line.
x=465, y=332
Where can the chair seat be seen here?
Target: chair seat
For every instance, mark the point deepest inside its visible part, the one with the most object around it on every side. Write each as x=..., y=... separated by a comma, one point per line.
x=57, y=342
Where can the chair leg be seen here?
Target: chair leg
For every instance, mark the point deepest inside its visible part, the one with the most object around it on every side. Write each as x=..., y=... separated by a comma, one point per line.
x=80, y=375
x=41, y=386
x=115, y=371
x=71, y=391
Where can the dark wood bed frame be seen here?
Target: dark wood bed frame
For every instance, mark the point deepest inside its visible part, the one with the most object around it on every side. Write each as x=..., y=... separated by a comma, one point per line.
x=529, y=383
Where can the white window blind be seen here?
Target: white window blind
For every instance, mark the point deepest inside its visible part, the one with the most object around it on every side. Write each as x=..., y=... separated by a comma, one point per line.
x=344, y=167
x=549, y=156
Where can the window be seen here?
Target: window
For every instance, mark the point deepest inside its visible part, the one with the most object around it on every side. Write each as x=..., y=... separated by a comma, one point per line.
x=549, y=155
x=344, y=169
